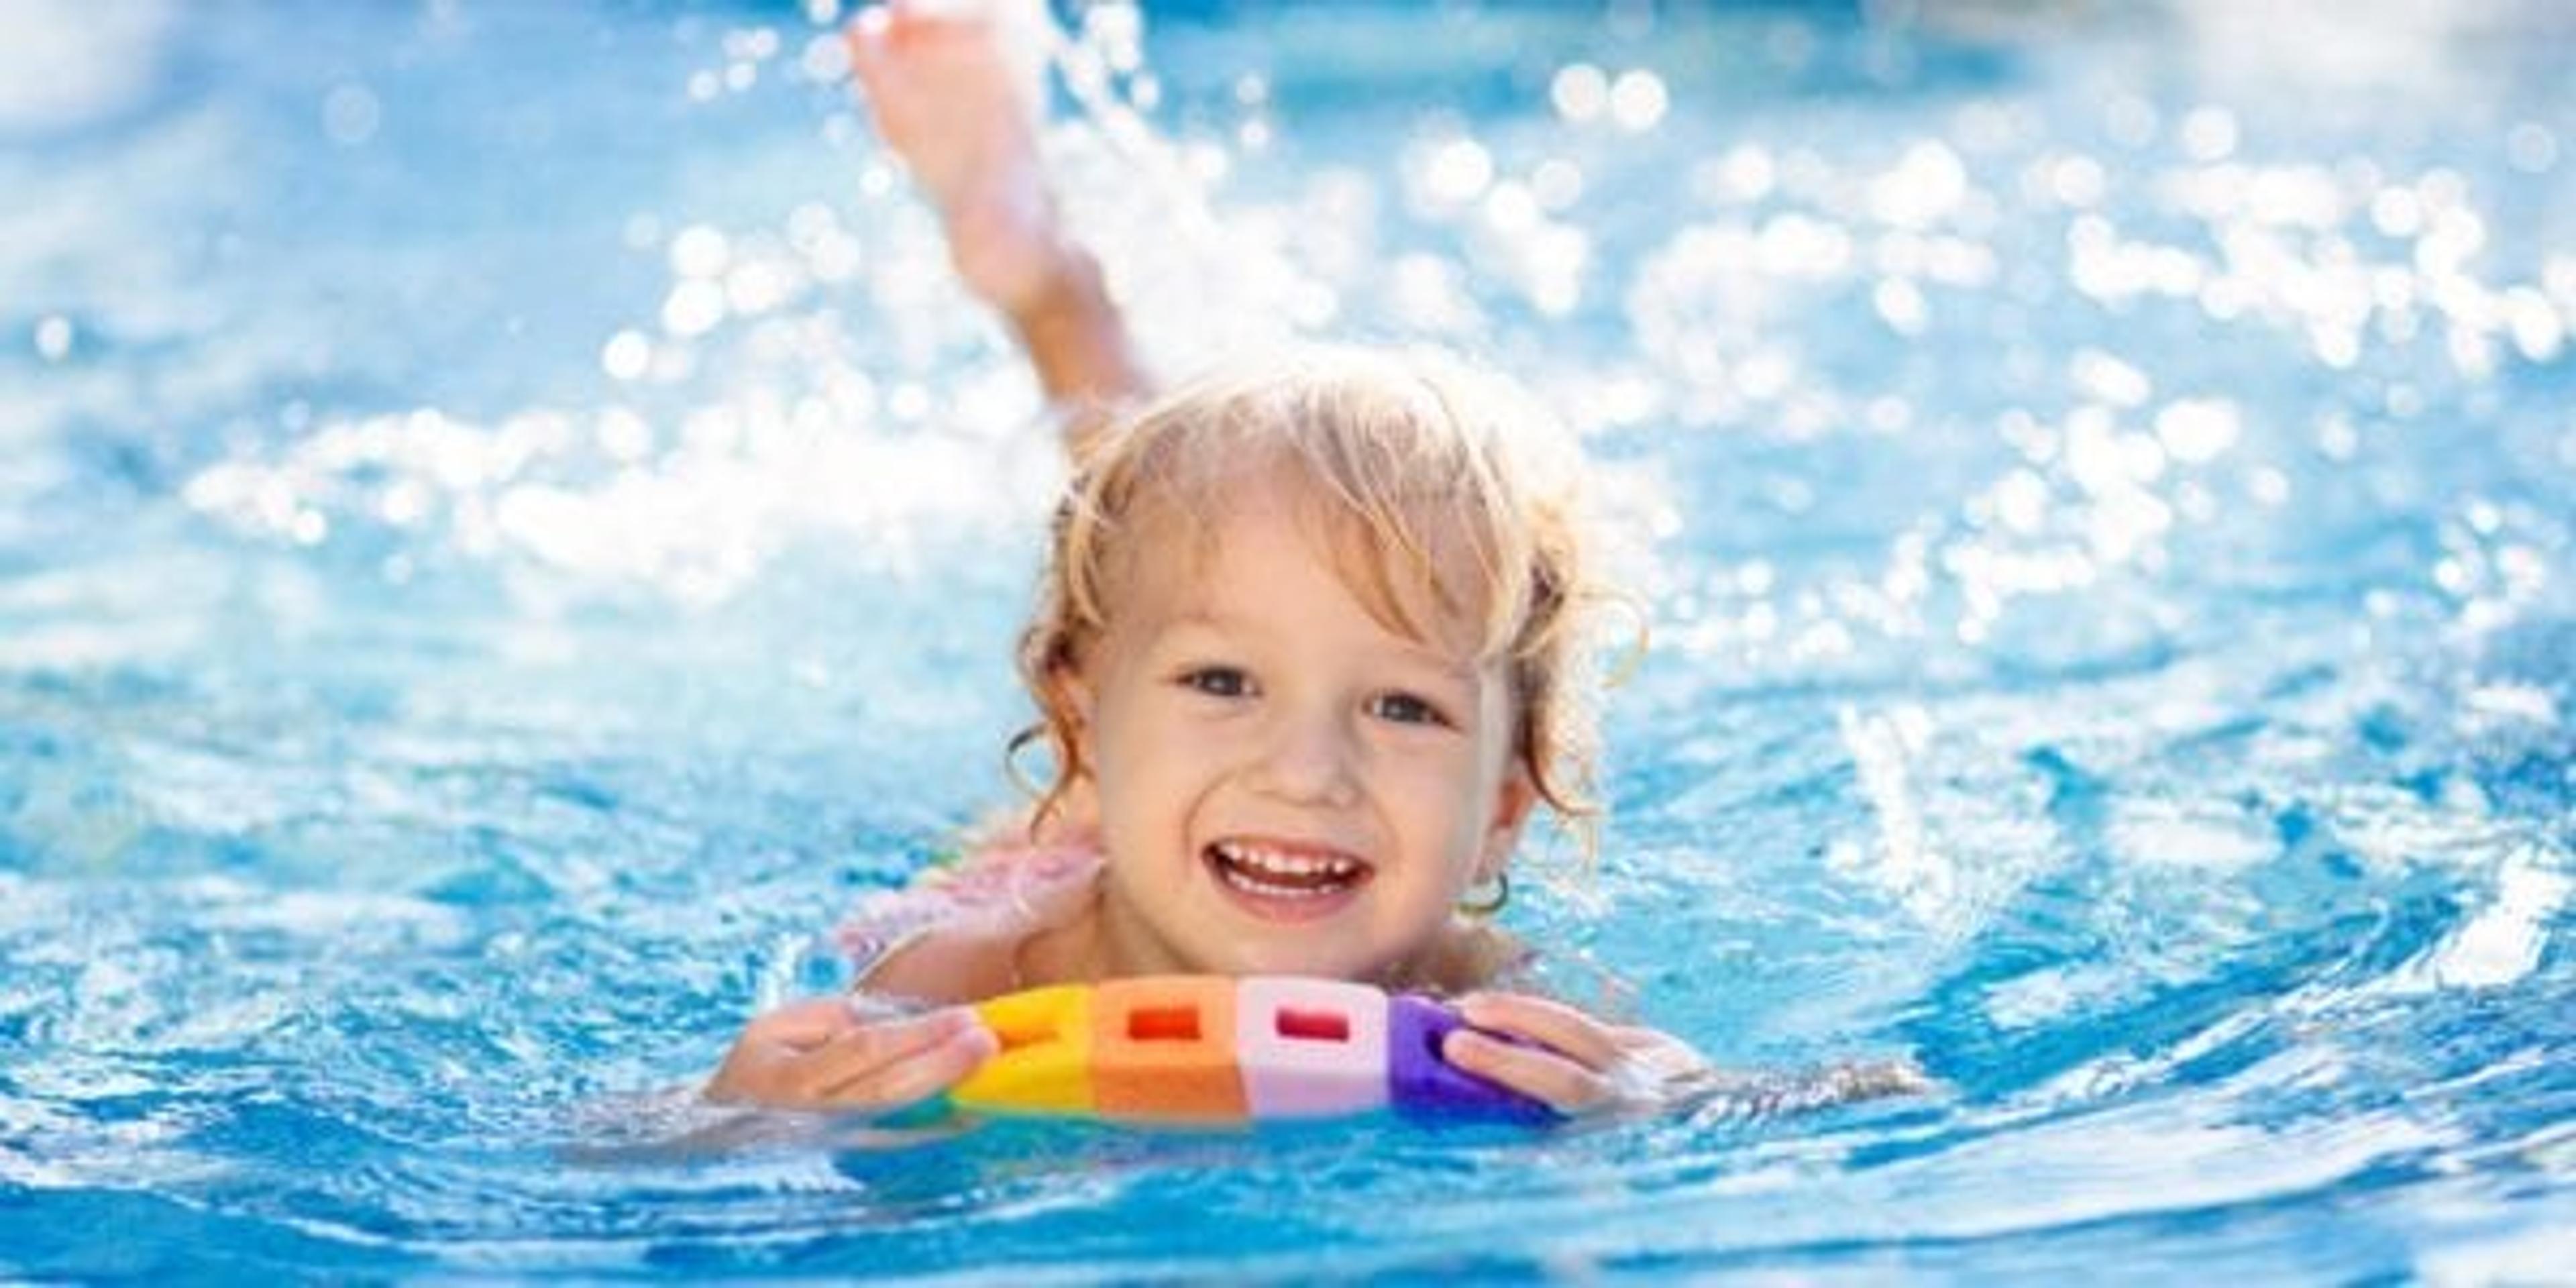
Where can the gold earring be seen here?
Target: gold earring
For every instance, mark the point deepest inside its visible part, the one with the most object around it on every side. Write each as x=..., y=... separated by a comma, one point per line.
x=1490, y=904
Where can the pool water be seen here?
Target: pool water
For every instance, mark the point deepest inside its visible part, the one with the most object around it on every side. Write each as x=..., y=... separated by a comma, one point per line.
x=506, y=528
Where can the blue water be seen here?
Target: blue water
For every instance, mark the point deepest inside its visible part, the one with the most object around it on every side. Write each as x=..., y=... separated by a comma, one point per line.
x=505, y=527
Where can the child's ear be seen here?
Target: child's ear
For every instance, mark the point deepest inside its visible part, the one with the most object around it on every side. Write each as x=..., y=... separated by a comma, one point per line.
x=1512, y=802
x=1074, y=690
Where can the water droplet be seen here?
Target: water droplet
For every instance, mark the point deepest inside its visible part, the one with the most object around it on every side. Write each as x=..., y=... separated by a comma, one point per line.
x=700, y=251
x=1638, y=101
x=2530, y=148
x=2396, y=212
x=54, y=338
x=1927, y=184
x=2195, y=431
x=1900, y=304
x=2076, y=181
x=2108, y=379
x=1457, y=172
x=1579, y=91
x=2537, y=331
x=694, y=307
x=2209, y=134
x=626, y=355
x=350, y=115
x=826, y=59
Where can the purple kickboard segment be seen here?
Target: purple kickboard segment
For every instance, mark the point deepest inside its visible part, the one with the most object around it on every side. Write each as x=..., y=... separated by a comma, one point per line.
x=1424, y=1085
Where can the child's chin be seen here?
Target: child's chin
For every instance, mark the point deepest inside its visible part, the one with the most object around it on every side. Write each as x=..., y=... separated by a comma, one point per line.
x=1284, y=959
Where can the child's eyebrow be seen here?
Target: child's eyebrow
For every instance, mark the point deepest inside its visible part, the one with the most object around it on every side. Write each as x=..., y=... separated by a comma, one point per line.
x=1450, y=668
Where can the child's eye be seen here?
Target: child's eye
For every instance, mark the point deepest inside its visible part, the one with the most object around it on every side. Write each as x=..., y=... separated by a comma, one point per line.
x=1405, y=708
x=1217, y=681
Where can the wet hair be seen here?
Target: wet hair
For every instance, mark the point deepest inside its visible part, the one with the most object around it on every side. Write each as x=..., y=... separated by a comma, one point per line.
x=1449, y=504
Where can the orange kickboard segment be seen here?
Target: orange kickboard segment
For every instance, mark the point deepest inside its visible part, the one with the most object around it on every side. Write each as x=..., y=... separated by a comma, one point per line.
x=1162, y=1049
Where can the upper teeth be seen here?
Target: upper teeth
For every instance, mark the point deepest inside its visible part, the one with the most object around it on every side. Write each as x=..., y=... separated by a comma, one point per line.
x=1284, y=863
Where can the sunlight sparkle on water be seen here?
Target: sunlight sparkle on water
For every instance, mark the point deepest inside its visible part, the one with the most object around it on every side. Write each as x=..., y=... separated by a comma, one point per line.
x=2106, y=378
x=626, y=356
x=1580, y=92
x=1450, y=173
x=53, y=337
x=1638, y=100
x=2196, y=431
x=1927, y=185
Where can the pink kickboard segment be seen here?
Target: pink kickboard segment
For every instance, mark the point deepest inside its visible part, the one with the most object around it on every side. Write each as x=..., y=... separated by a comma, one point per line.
x=1310, y=1048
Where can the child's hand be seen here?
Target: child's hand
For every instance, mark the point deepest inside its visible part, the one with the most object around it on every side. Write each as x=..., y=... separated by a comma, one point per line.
x=1580, y=1066
x=956, y=101
x=824, y=1054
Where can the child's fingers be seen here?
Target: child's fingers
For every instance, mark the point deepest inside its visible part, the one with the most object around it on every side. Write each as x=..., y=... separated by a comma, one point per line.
x=873, y=1043
x=804, y=1025
x=1578, y=1036
x=916, y=1075
x=768, y=1061
x=1565, y=1086
x=830, y=1073
x=921, y=1077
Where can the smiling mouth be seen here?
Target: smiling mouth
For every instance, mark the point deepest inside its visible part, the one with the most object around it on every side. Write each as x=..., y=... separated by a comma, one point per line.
x=1268, y=871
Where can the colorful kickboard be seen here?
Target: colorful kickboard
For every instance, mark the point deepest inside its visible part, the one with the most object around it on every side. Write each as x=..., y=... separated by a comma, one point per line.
x=1208, y=1049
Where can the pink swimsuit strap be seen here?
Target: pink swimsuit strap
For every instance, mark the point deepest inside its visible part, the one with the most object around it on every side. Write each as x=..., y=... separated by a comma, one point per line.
x=993, y=883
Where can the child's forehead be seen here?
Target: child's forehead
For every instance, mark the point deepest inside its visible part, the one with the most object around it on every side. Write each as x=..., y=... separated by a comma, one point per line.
x=1188, y=561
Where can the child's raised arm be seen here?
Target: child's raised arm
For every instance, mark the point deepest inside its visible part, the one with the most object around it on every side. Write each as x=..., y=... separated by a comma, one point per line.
x=941, y=85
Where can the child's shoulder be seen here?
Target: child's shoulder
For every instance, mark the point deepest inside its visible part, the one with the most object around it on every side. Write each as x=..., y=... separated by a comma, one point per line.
x=947, y=965
x=955, y=933
x=1477, y=955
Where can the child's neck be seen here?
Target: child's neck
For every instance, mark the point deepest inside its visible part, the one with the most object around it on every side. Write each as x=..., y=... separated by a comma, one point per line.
x=1092, y=944
x=1123, y=945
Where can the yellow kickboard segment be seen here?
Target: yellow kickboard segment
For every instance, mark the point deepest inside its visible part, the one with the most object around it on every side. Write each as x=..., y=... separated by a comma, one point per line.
x=1045, y=1062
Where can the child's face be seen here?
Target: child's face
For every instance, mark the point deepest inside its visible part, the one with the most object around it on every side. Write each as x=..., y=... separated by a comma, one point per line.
x=1285, y=785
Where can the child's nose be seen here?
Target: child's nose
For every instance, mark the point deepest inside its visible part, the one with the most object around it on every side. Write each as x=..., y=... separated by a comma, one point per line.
x=1311, y=758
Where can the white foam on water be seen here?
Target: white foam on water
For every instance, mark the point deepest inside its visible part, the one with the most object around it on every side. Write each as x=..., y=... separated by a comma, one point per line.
x=66, y=63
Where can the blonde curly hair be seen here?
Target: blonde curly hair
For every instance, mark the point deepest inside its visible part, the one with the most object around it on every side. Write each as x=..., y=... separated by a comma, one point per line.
x=1451, y=507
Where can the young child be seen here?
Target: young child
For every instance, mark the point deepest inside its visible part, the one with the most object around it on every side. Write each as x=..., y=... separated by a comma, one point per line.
x=1309, y=651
